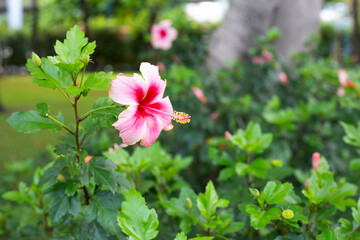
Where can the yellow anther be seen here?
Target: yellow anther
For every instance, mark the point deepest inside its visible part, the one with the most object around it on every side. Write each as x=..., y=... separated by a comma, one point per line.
x=181, y=117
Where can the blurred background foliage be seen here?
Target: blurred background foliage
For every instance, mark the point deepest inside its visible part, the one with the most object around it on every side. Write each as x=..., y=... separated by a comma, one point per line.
x=303, y=115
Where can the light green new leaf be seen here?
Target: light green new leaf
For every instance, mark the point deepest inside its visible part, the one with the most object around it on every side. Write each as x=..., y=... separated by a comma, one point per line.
x=180, y=236
x=70, y=50
x=98, y=81
x=275, y=193
x=32, y=121
x=328, y=234
x=50, y=76
x=209, y=202
x=136, y=220
x=356, y=212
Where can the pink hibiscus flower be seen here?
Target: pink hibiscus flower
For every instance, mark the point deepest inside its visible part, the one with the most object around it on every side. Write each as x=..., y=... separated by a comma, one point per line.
x=162, y=35
x=266, y=57
x=148, y=112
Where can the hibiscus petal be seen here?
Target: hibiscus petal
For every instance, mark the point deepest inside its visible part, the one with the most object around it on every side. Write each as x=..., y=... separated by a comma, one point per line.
x=127, y=90
x=131, y=125
x=172, y=34
x=156, y=86
x=165, y=23
x=162, y=110
x=153, y=130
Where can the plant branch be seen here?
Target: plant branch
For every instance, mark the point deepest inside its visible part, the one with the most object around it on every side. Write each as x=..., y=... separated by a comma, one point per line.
x=84, y=116
x=61, y=124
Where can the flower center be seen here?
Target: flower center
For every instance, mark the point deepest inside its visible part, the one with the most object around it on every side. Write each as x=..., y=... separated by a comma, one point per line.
x=163, y=33
x=181, y=117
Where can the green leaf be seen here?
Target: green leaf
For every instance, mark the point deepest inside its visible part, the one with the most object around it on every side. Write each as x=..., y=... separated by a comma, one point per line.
x=259, y=167
x=98, y=81
x=104, y=207
x=103, y=171
x=328, y=234
x=180, y=236
x=352, y=136
x=85, y=174
x=356, y=212
x=59, y=207
x=260, y=218
x=33, y=121
x=74, y=91
x=177, y=207
x=70, y=50
x=209, y=202
x=136, y=220
x=354, y=164
x=51, y=174
x=252, y=140
x=74, y=205
x=49, y=75
x=275, y=193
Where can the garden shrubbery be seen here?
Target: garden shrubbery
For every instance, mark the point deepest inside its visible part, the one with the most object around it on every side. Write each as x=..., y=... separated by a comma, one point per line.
x=270, y=152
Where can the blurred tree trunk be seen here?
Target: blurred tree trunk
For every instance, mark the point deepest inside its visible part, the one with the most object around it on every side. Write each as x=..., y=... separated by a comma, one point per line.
x=85, y=16
x=356, y=33
x=247, y=19
x=35, y=34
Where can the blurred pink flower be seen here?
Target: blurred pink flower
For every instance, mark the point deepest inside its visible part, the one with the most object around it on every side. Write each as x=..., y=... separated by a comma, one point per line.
x=162, y=67
x=88, y=158
x=228, y=135
x=307, y=183
x=199, y=94
x=162, y=35
x=266, y=57
x=283, y=78
x=117, y=146
x=344, y=82
x=342, y=77
x=341, y=92
x=316, y=160
x=149, y=113
x=214, y=116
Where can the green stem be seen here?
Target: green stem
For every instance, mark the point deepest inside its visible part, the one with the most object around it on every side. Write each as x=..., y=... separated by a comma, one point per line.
x=84, y=116
x=53, y=82
x=198, y=223
x=64, y=126
x=247, y=175
x=82, y=76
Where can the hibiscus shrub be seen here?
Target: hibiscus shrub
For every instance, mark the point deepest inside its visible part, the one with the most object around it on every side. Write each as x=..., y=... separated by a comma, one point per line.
x=249, y=188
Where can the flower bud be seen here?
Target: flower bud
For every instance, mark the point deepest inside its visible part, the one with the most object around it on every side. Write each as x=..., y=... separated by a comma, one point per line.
x=287, y=214
x=87, y=159
x=228, y=135
x=188, y=204
x=85, y=58
x=60, y=177
x=277, y=163
x=315, y=160
x=36, y=59
x=254, y=192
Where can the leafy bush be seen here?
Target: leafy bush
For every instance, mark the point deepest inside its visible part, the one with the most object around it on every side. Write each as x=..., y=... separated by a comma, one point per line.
x=257, y=178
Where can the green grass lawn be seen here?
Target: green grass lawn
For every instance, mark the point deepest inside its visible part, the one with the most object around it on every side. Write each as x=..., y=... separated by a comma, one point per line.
x=18, y=93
